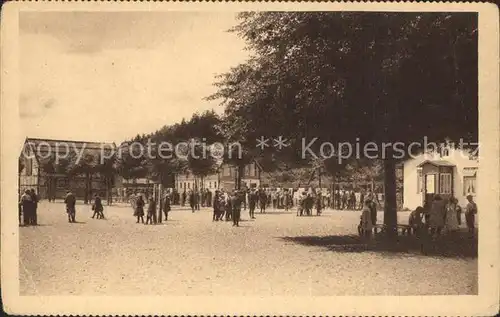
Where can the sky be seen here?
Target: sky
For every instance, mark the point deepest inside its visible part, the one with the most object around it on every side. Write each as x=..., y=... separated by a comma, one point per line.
x=96, y=76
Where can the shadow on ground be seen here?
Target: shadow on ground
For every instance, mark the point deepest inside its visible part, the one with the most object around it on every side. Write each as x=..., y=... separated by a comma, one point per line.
x=460, y=245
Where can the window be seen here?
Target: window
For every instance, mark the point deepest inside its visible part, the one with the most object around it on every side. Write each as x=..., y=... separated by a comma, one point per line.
x=189, y=185
x=419, y=181
x=445, y=183
x=29, y=166
x=226, y=171
x=445, y=151
x=469, y=185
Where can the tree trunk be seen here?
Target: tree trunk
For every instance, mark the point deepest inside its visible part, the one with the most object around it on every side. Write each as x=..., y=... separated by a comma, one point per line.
x=86, y=194
x=239, y=176
x=333, y=191
x=109, y=194
x=390, y=207
x=90, y=188
x=159, y=200
x=319, y=177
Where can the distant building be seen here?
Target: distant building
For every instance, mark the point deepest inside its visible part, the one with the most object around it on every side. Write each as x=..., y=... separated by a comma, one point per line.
x=448, y=172
x=224, y=177
x=35, y=175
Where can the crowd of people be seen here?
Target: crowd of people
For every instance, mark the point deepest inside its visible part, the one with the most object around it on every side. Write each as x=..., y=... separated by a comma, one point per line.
x=225, y=203
x=443, y=214
x=433, y=218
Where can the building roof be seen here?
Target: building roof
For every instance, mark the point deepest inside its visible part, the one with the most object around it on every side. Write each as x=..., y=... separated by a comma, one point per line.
x=42, y=147
x=436, y=163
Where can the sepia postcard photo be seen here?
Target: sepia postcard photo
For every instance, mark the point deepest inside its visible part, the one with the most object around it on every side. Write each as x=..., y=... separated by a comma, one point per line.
x=178, y=158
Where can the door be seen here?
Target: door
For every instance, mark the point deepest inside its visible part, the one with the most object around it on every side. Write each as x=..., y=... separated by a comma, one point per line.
x=430, y=188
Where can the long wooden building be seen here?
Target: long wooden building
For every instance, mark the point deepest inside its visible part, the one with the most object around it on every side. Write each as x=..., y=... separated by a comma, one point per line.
x=35, y=171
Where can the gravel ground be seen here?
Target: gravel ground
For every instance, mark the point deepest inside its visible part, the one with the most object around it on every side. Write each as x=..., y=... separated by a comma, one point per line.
x=191, y=255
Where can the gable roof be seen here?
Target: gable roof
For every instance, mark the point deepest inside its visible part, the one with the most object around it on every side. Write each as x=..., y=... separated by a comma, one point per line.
x=436, y=163
x=41, y=148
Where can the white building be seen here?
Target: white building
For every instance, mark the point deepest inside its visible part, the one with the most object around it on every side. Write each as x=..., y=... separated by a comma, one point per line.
x=450, y=172
x=224, y=177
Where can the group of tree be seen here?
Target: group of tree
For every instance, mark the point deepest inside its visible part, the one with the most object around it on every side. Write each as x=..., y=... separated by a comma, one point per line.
x=353, y=77
x=197, y=135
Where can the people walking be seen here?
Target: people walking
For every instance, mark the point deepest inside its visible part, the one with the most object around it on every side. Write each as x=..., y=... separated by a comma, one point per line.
x=97, y=207
x=70, y=201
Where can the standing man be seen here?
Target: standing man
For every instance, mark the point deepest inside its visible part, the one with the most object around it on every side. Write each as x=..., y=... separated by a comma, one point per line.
x=151, y=214
x=252, y=202
x=470, y=215
x=34, y=199
x=70, y=201
x=236, y=199
x=217, y=206
x=262, y=200
x=183, y=198
x=167, y=202
x=191, y=197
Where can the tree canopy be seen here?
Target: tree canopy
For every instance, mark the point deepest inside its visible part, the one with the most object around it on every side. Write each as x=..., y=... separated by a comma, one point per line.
x=354, y=77
x=340, y=76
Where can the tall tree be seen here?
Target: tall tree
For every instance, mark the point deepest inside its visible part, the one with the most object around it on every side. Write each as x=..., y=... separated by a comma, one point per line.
x=48, y=168
x=355, y=77
x=107, y=167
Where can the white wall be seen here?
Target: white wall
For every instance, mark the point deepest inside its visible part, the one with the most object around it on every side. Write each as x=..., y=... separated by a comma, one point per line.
x=412, y=199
